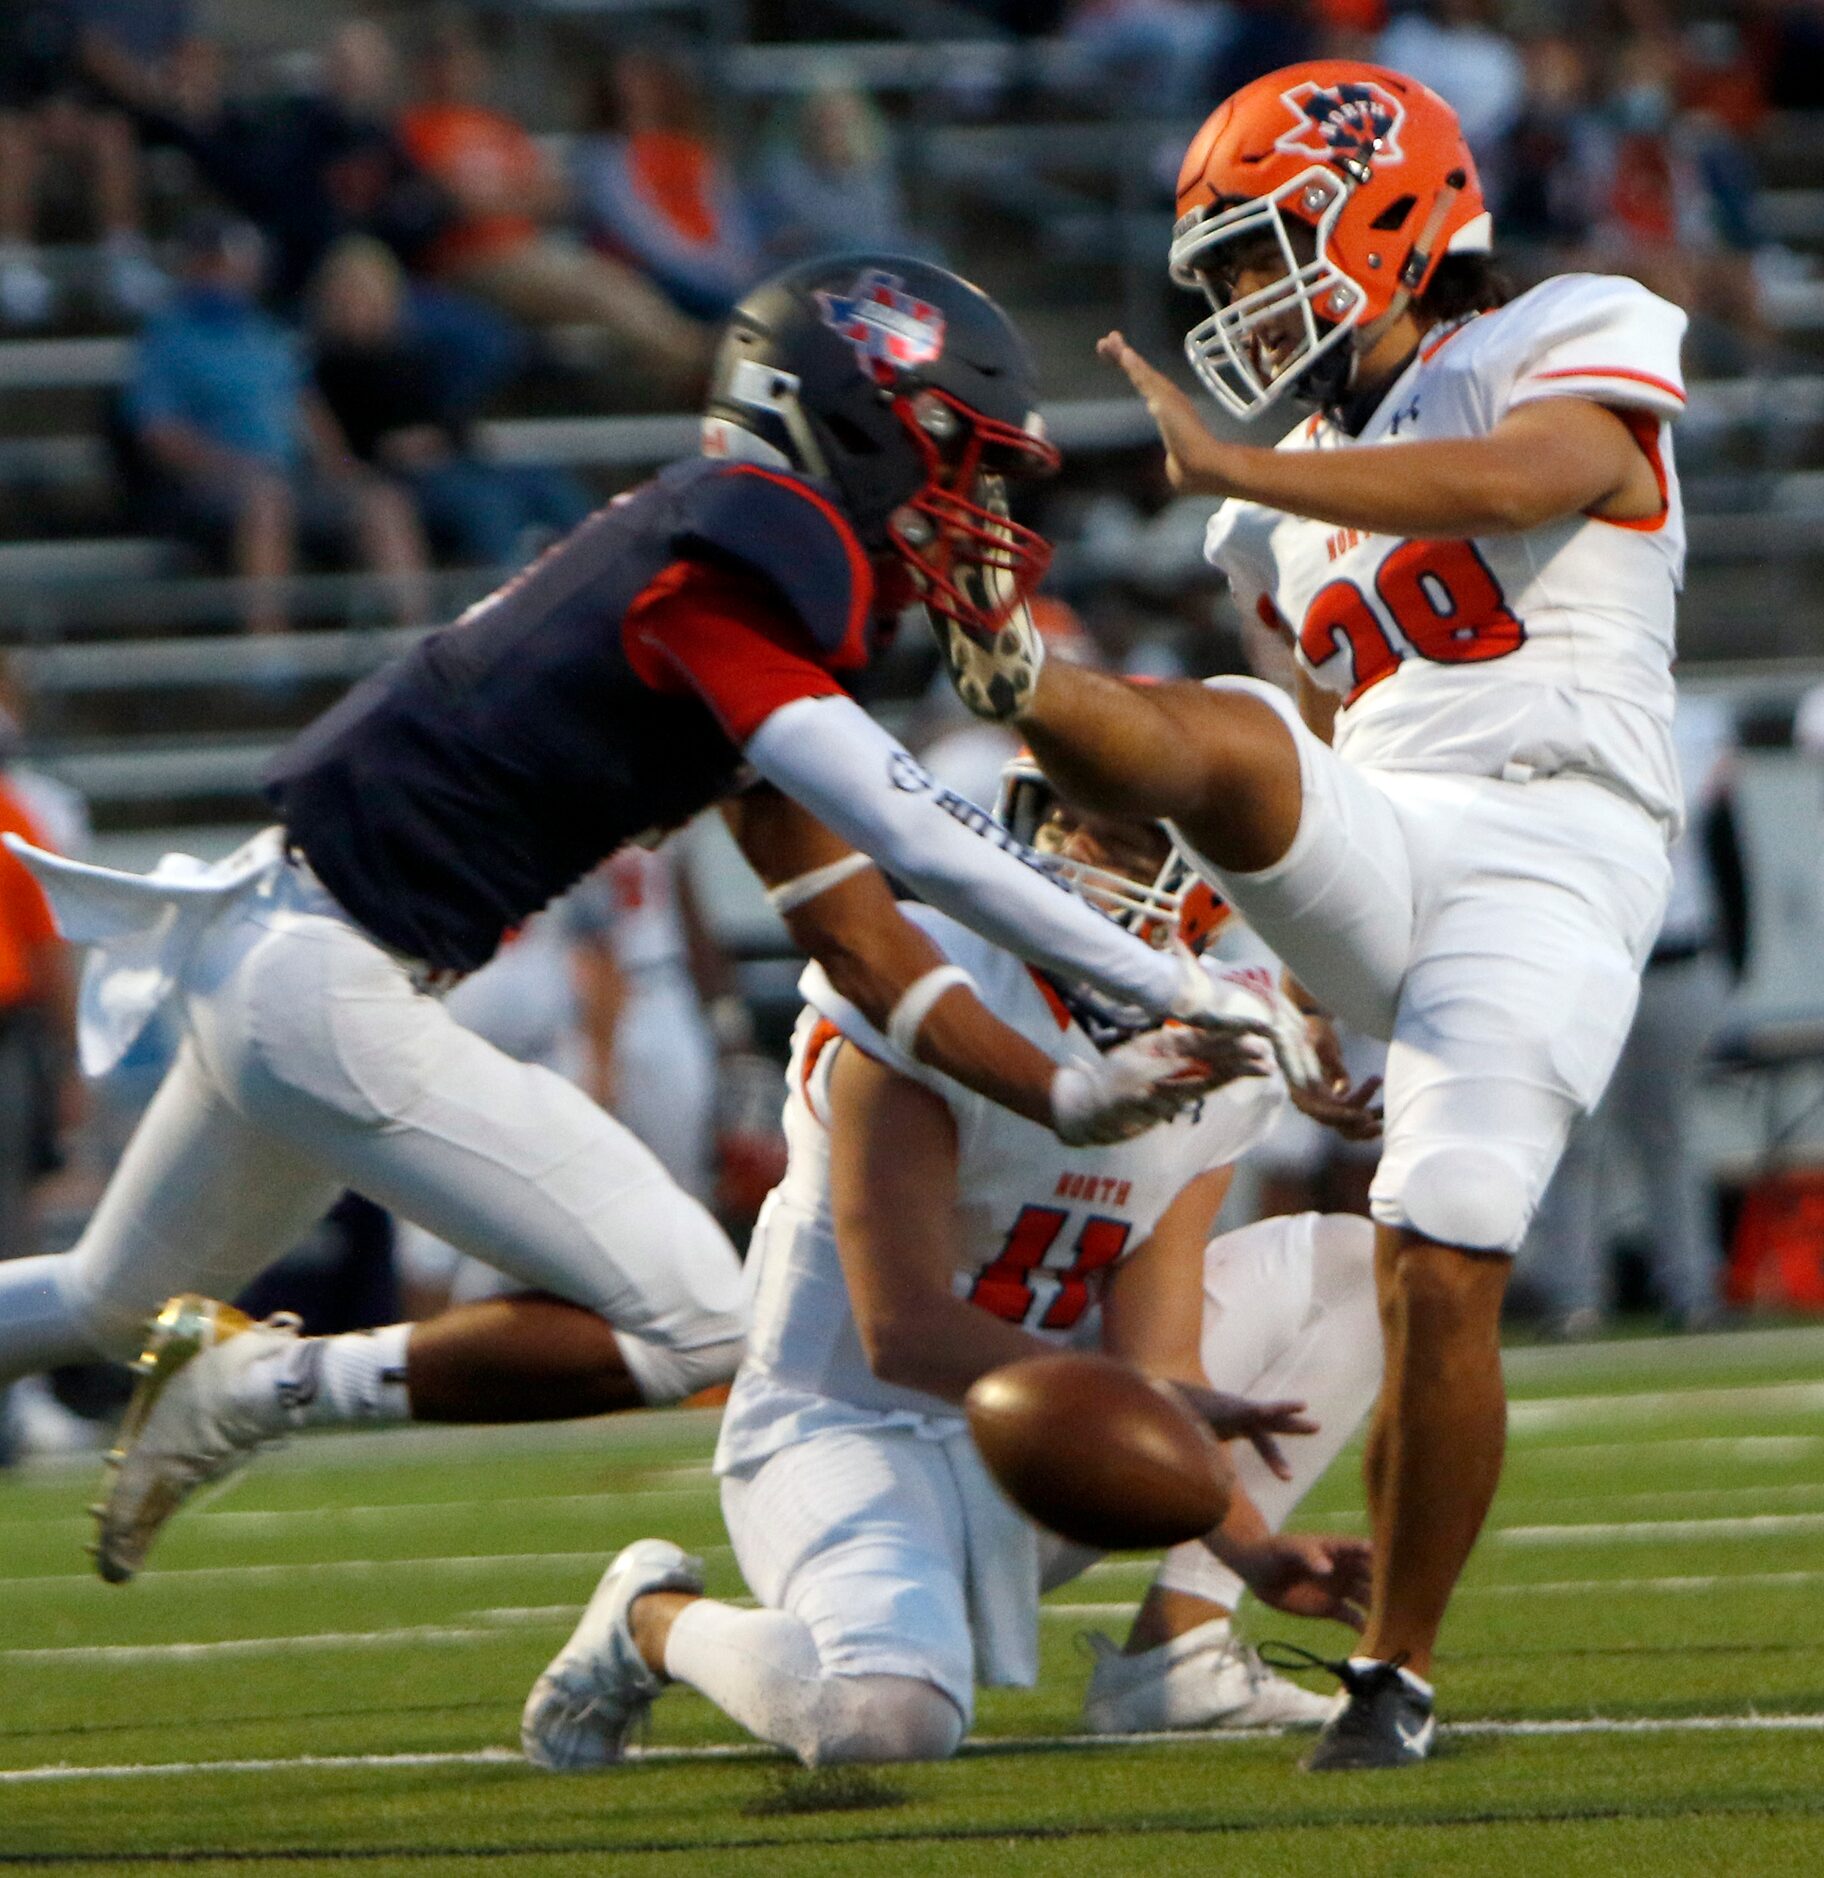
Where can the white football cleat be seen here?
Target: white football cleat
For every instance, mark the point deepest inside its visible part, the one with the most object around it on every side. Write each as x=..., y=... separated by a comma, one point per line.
x=596, y=1689
x=183, y=1429
x=1206, y=1678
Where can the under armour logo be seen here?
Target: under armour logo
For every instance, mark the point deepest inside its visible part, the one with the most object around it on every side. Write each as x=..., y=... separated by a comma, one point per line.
x=1410, y=415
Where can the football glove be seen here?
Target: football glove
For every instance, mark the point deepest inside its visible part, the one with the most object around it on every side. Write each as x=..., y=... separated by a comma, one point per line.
x=1250, y=1003
x=1100, y=1100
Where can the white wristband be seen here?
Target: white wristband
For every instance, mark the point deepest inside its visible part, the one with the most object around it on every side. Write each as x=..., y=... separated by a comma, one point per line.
x=915, y=1004
x=799, y=891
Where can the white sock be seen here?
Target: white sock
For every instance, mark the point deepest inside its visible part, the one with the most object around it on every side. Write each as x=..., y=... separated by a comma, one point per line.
x=354, y=1380
x=1331, y=1362
x=761, y=1668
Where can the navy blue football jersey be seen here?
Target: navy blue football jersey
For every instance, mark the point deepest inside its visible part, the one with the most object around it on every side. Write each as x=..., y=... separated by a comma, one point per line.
x=603, y=693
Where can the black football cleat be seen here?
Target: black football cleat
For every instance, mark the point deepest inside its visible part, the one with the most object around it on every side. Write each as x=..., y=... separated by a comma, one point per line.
x=1385, y=1720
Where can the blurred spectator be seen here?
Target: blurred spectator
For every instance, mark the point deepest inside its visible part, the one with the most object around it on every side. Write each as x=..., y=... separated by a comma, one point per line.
x=498, y=247
x=652, y=1056
x=150, y=31
x=241, y=450
x=1722, y=77
x=305, y=167
x=827, y=180
x=1551, y=168
x=59, y=810
x=1648, y=1112
x=654, y=189
x=1455, y=47
x=39, y=1089
x=1678, y=202
x=1262, y=36
x=46, y=111
x=1348, y=24
x=1788, y=39
x=403, y=370
x=1147, y=54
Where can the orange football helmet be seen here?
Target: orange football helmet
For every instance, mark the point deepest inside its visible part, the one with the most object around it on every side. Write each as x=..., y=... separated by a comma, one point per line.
x=1361, y=178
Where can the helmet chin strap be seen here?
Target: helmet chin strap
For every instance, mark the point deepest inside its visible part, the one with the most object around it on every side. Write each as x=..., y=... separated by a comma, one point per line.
x=1413, y=270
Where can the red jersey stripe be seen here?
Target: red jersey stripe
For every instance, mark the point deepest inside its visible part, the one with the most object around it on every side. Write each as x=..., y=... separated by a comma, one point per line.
x=1615, y=371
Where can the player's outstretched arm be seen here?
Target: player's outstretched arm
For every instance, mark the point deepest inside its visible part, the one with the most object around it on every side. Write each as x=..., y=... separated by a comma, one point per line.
x=830, y=756
x=840, y=910
x=1551, y=458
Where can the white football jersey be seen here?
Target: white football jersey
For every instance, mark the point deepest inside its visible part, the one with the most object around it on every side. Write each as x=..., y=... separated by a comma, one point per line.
x=1042, y=1225
x=1512, y=655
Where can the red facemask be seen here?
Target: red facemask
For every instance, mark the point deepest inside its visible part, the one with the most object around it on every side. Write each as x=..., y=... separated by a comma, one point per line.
x=971, y=562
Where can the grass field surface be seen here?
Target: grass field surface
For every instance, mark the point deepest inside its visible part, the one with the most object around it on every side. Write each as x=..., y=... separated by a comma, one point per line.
x=324, y=1668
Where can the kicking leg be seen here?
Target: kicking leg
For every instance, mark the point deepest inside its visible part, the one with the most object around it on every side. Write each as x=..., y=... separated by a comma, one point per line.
x=1221, y=762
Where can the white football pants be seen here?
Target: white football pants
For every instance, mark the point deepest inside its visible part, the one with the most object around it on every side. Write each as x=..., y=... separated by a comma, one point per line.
x=867, y=1546
x=310, y=1063
x=1493, y=931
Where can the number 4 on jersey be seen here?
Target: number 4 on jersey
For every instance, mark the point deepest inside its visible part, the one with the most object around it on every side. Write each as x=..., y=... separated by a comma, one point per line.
x=1440, y=594
x=1005, y=1286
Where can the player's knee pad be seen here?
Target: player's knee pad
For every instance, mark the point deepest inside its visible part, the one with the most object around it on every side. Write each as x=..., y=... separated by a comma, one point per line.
x=862, y=1719
x=663, y=1375
x=1462, y=1193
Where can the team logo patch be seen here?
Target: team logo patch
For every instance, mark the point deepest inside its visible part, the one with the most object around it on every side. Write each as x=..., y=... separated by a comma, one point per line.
x=1358, y=121
x=890, y=329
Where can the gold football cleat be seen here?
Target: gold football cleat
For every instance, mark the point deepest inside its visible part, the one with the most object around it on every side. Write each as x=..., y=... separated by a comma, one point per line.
x=140, y=1498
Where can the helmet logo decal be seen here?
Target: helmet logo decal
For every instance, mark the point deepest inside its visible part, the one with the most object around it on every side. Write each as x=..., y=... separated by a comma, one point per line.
x=1354, y=122
x=890, y=329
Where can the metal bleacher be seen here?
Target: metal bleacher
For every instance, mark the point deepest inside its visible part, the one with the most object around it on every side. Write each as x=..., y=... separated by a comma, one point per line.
x=145, y=696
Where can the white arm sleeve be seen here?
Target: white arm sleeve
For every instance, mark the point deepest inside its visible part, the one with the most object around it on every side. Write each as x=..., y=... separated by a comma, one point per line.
x=830, y=756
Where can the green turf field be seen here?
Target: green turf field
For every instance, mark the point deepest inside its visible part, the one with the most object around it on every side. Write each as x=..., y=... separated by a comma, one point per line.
x=325, y=1670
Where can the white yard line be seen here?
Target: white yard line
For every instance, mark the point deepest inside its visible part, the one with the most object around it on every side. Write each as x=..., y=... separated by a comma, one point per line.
x=497, y=1624
x=436, y=1441
x=1586, y=1587
x=1547, y=1413
x=350, y=1567
x=1004, y=1744
x=1652, y=1531
x=404, y=1636
x=311, y=1517
x=1725, y=1447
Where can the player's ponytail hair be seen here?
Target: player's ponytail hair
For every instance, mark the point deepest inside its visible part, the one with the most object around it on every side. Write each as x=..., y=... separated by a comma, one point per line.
x=1463, y=284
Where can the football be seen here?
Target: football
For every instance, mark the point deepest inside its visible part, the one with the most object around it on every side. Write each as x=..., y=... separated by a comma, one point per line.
x=1098, y=1453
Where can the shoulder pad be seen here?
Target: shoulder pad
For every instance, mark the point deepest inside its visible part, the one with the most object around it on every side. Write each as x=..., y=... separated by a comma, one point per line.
x=788, y=531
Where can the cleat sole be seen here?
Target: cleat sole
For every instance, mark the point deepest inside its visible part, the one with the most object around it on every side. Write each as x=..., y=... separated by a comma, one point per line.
x=184, y=1327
